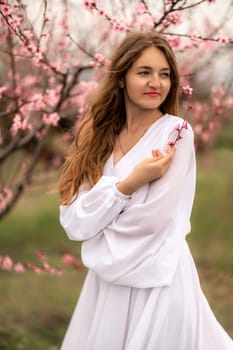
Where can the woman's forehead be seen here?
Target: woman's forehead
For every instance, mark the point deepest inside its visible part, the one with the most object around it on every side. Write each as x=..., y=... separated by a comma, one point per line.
x=150, y=57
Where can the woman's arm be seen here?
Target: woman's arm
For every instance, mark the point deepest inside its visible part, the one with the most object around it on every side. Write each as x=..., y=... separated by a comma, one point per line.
x=92, y=210
x=100, y=210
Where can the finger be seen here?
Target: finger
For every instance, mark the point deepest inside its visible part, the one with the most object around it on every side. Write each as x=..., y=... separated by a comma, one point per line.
x=156, y=154
x=168, y=157
x=171, y=151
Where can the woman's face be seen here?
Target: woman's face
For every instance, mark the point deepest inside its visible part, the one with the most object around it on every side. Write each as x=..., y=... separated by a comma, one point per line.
x=147, y=82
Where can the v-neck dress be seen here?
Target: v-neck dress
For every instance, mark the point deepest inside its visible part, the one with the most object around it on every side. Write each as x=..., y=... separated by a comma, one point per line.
x=142, y=289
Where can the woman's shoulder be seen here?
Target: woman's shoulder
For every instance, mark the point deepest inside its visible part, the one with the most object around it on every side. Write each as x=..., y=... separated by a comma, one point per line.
x=177, y=121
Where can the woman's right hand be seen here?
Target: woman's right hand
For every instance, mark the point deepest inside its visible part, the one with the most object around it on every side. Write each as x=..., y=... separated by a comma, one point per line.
x=150, y=169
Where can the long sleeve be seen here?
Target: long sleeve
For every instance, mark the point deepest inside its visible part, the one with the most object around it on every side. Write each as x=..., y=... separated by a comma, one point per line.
x=92, y=210
x=140, y=247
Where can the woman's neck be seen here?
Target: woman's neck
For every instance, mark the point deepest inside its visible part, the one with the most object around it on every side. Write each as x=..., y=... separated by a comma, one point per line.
x=135, y=121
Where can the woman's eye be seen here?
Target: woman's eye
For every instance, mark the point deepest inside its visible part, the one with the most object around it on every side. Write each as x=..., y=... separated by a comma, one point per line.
x=143, y=73
x=165, y=75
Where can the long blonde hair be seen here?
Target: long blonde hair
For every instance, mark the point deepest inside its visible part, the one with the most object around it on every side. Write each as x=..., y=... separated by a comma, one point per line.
x=105, y=115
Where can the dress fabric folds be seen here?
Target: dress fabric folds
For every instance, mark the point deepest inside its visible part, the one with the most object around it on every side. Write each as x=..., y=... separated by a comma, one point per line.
x=142, y=290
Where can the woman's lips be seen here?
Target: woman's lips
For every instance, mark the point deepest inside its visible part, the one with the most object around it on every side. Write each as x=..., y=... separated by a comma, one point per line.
x=152, y=94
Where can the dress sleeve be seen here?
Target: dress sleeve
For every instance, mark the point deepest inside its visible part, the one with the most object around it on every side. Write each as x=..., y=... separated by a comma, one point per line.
x=92, y=210
x=167, y=197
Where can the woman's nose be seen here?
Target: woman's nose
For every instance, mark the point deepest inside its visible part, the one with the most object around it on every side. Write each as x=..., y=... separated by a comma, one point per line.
x=154, y=81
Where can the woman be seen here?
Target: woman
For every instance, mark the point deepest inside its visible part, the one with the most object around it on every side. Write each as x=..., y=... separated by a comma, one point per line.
x=127, y=193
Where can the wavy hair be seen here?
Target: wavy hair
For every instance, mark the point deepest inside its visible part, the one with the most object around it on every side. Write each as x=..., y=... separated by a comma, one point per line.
x=105, y=114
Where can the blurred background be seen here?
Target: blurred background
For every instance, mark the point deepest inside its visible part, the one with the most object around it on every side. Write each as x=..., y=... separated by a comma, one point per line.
x=53, y=54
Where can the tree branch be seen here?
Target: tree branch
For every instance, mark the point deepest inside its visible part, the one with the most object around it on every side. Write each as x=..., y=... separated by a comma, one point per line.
x=27, y=176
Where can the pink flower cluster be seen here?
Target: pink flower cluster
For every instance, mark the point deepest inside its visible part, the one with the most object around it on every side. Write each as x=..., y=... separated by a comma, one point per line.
x=69, y=259
x=223, y=40
x=99, y=60
x=89, y=5
x=2, y=90
x=7, y=264
x=118, y=25
x=20, y=123
x=5, y=197
x=187, y=89
x=175, y=135
x=140, y=9
x=51, y=119
x=175, y=18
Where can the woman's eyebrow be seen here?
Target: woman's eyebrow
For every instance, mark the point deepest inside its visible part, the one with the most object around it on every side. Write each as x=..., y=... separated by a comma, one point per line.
x=148, y=67
x=144, y=67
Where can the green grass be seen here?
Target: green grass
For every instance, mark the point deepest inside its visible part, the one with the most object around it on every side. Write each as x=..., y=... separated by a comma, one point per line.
x=35, y=309
x=211, y=237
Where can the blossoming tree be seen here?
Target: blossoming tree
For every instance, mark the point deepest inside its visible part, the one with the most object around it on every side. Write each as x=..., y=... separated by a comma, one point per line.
x=52, y=56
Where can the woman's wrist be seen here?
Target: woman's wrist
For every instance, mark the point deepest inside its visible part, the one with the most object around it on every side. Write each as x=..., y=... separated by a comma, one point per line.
x=127, y=186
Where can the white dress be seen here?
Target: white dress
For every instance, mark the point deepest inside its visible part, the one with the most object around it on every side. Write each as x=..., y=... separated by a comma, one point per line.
x=142, y=290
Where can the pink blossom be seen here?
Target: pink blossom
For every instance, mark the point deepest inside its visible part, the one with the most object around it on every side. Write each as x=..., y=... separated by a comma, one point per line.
x=195, y=36
x=33, y=267
x=175, y=135
x=3, y=89
x=99, y=57
x=117, y=25
x=175, y=18
x=229, y=102
x=19, y=268
x=198, y=129
x=7, y=193
x=7, y=263
x=95, y=64
x=205, y=136
x=68, y=259
x=41, y=255
x=177, y=127
x=187, y=89
x=24, y=165
x=185, y=125
x=16, y=22
x=57, y=161
x=38, y=56
x=140, y=9
x=16, y=124
x=5, y=9
x=38, y=101
x=32, y=47
x=51, y=96
x=223, y=40
x=28, y=34
x=59, y=272
x=208, y=44
x=174, y=42
x=101, y=12
x=51, y=119
x=47, y=19
x=66, y=137
x=89, y=5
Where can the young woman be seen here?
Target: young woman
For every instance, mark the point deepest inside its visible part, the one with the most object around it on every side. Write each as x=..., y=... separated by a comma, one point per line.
x=127, y=193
